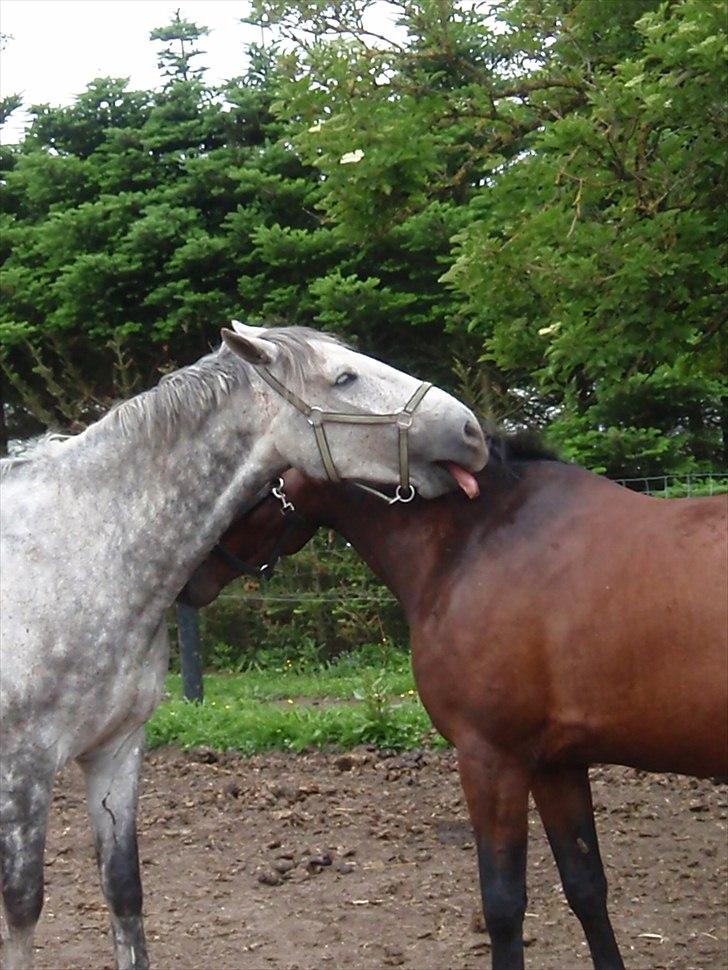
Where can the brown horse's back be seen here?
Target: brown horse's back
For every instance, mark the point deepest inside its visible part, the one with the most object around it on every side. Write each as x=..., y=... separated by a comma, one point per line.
x=585, y=623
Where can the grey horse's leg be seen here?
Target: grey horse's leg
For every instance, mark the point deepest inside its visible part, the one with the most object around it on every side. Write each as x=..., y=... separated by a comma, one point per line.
x=112, y=781
x=25, y=795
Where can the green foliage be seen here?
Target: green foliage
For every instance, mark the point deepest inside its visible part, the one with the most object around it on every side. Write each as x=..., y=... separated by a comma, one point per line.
x=342, y=678
x=8, y=104
x=379, y=711
x=612, y=229
x=251, y=727
x=694, y=488
x=580, y=162
x=175, y=60
x=133, y=227
x=523, y=201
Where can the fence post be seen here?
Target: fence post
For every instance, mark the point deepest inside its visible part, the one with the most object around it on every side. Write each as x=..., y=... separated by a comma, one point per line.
x=190, y=654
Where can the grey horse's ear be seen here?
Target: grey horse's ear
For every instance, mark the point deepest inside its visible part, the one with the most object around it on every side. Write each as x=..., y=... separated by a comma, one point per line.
x=255, y=350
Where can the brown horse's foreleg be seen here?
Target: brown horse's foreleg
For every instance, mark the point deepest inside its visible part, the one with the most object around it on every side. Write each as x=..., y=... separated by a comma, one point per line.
x=563, y=799
x=496, y=790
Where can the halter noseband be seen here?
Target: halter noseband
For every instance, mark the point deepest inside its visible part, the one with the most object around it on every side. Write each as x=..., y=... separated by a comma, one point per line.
x=317, y=418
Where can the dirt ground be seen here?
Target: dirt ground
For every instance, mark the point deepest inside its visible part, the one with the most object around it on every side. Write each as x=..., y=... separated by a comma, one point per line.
x=365, y=861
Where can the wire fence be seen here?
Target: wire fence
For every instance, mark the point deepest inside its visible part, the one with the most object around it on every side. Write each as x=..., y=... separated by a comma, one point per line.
x=305, y=597
x=666, y=486
x=674, y=486
x=352, y=606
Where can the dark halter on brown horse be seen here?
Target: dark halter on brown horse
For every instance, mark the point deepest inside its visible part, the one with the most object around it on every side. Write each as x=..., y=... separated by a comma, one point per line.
x=557, y=621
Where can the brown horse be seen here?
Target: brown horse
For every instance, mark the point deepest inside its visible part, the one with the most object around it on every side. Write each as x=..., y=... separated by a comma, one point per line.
x=557, y=621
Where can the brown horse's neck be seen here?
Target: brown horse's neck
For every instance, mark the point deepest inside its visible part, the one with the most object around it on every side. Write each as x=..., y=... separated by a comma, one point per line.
x=412, y=548
x=397, y=543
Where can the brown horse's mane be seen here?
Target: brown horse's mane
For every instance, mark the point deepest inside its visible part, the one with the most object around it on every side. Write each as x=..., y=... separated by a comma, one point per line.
x=510, y=449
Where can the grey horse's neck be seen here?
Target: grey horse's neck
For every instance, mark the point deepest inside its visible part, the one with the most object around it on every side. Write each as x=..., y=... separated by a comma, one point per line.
x=145, y=493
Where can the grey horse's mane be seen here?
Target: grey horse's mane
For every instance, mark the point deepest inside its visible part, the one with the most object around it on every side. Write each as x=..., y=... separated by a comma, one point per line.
x=43, y=445
x=191, y=390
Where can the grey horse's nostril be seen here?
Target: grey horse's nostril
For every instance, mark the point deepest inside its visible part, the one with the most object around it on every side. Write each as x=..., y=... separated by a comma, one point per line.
x=471, y=431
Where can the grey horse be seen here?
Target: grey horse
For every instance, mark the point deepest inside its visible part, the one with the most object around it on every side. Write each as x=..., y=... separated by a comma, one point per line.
x=99, y=535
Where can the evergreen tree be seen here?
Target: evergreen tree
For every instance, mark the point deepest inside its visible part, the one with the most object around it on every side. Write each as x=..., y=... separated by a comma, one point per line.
x=595, y=270
x=522, y=201
x=175, y=60
x=578, y=159
x=131, y=224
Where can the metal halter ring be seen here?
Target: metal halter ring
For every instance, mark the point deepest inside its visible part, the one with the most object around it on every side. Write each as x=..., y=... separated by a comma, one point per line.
x=399, y=497
x=315, y=416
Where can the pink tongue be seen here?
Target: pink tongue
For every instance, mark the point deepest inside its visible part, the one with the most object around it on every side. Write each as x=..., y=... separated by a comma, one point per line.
x=464, y=479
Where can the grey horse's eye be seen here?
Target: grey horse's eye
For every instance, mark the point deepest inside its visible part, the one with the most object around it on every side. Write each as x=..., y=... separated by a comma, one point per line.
x=346, y=378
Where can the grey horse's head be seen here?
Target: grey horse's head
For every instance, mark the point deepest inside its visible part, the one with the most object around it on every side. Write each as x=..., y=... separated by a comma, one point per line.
x=444, y=442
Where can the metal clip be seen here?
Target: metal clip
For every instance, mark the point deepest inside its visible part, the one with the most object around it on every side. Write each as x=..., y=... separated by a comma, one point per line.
x=279, y=491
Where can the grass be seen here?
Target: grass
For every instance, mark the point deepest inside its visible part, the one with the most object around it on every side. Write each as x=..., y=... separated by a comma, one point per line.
x=271, y=709
x=273, y=685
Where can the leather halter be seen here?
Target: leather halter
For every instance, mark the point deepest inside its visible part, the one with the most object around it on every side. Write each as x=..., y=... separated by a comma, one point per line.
x=318, y=418
x=293, y=519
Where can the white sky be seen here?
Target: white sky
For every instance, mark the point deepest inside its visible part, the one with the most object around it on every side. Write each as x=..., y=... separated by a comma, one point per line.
x=58, y=46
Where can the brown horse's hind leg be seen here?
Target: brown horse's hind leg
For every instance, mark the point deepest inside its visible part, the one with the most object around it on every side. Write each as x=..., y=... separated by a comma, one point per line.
x=563, y=799
x=496, y=790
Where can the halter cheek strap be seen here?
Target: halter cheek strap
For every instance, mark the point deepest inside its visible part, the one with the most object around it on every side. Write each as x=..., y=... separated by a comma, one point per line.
x=318, y=418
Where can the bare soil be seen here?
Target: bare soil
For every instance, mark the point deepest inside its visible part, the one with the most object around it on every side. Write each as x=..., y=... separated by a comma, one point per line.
x=364, y=860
